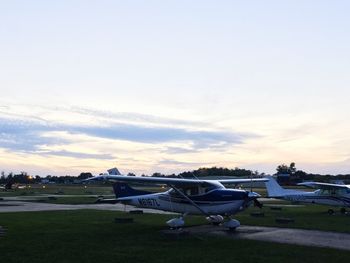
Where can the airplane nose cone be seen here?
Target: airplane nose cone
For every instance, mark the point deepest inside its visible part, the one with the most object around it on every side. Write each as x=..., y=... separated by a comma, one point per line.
x=253, y=195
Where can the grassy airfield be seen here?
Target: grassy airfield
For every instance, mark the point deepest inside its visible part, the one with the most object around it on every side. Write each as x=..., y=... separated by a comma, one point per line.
x=305, y=216
x=93, y=236
x=58, y=189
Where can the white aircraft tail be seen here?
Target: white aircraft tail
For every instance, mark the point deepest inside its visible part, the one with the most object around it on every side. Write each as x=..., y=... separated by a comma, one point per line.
x=114, y=171
x=274, y=189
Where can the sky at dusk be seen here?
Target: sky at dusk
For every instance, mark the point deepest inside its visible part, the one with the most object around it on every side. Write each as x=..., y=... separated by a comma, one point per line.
x=171, y=86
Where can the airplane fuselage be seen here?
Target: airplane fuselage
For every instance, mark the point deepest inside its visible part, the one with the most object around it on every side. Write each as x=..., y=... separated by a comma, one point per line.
x=317, y=198
x=215, y=202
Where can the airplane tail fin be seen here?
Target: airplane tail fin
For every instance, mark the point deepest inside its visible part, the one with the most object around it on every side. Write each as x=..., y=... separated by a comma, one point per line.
x=274, y=189
x=124, y=190
x=114, y=171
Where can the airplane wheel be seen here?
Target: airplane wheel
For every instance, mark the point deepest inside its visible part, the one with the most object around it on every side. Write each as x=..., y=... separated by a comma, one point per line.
x=330, y=211
x=343, y=210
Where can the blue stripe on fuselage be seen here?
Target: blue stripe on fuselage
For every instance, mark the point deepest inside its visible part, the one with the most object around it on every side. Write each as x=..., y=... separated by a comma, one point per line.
x=219, y=196
x=342, y=199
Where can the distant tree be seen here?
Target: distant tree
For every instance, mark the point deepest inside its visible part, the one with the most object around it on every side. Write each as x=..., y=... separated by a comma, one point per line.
x=131, y=174
x=303, y=175
x=83, y=176
x=215, y=171
x=37, y=179
x=282, y=169
x=158, y=175
x=2, y=178
x=292, y=168
x=285, y=169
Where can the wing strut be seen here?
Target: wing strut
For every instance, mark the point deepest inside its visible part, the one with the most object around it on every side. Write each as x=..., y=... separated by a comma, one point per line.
x=189, y=200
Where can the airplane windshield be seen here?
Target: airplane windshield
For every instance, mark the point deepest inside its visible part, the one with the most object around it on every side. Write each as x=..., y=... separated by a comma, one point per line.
x=193, y=190
x=333, y=191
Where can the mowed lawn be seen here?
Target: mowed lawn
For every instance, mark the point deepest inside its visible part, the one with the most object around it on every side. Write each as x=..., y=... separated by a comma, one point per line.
x=93, y=236
x=310, y=216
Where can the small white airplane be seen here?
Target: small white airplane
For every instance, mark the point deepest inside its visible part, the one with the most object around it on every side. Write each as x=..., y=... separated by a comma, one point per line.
x=186, y=196
x=326, y=194
x=12, y=186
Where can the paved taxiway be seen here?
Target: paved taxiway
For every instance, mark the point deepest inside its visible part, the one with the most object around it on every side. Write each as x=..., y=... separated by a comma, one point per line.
x=21, y=206
x=279, y=235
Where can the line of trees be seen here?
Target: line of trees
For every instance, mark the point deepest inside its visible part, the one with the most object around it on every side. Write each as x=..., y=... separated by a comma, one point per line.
x=294, y=175
x=24, y=178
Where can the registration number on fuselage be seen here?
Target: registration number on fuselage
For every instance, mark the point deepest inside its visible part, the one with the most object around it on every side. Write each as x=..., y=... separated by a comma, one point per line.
x=148, y=202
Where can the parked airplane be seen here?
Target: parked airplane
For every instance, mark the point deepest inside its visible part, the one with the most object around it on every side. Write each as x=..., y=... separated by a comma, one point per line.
x=186, y=196
x=326, y=194
x=12, y=186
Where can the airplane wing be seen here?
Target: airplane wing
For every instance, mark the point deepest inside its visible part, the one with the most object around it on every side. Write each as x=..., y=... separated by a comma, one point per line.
x=324, y=185
x=170, y=181
x=242, y=181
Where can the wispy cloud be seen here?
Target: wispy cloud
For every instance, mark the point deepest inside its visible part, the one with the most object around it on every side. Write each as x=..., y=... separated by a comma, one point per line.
x=79, y=155
x=24, y=135
x=179, y=150
x=146, y=134
x=133, y=117
x=27, y=134
x=182, y=164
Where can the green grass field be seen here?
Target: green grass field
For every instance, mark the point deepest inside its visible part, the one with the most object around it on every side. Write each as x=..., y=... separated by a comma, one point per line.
x=92, y=236
x=305, y=217
x=78, y=189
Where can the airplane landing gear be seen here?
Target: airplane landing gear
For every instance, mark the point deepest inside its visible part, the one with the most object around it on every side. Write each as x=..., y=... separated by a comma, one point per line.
x=231, y=224
x=215, y=219
x=176, y=222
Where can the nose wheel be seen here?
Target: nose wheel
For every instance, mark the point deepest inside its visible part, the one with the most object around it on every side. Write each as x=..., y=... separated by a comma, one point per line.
x=176, y=223
x=231, y=224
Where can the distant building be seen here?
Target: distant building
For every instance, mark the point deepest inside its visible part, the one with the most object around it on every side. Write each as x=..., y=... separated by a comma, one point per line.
x=44, y=181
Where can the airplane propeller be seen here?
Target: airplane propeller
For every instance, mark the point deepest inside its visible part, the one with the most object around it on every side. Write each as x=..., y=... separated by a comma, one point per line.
x=252, y=196
x=257, y=203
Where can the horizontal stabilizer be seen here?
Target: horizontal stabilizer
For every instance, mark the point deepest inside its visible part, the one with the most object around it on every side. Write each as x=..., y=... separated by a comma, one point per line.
x=124, y=190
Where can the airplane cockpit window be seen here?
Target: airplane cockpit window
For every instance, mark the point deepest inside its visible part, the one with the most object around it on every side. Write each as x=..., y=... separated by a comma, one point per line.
x=341, y=191
x=333, y=191
x=193, y=190
x=325, y=192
